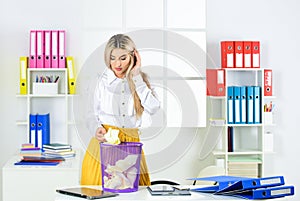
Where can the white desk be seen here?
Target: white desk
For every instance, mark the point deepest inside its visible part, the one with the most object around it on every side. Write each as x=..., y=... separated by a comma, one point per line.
x=143, y=194
x=38, y=183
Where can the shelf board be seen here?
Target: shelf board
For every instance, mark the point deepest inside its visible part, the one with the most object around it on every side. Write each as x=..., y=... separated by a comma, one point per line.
x=24, y=123
x=236, y=153
x=270, y=97
x=47, y=69
x=34, y=95
x=21, y=123
x=244, y=125
x=21, y=95
x=219, y=153
x=224, y=97
x=217, y=97
x=47, y=96
x=243, y=69
x=72, y=95
x=240, y=125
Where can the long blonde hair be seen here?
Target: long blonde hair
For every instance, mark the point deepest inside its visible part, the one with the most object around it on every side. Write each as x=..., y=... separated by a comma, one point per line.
x=124, y=42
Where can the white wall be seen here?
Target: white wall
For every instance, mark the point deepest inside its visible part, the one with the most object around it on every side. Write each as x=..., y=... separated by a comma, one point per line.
x=273, y=22
x=88, y=25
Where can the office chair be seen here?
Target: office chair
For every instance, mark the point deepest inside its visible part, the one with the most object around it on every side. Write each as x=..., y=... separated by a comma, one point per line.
x=167, y=182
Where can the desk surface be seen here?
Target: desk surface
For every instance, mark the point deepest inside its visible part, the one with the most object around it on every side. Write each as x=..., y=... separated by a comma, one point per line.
x=143, y=194
x=18, y=181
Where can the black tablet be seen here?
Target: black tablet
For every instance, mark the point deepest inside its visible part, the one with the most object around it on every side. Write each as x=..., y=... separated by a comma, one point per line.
x=85, y=192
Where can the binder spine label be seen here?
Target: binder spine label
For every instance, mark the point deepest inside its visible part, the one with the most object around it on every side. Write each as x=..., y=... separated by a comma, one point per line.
x=239, y=60
x=270, y=181
x=230, y=59
x=281, y=192
x=268, y=82
x=256, y=60
x=23, y=69
x=70, y=65
x=247, y=58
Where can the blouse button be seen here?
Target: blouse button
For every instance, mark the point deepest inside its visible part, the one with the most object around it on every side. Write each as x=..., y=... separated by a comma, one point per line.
x=123, y=115
x=123, y=103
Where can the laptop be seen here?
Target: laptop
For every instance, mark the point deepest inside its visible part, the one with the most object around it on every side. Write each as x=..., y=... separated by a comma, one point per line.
x=85, y=192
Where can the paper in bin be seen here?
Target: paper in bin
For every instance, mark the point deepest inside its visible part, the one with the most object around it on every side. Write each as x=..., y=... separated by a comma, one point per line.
x=120, y=166
x=123, y=173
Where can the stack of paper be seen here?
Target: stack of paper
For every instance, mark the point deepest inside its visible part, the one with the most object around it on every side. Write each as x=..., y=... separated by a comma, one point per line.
x=39, y=160
x=243, y=166
x=58, y=150
x=245, y=169
x=30, y=150
x=247, y=188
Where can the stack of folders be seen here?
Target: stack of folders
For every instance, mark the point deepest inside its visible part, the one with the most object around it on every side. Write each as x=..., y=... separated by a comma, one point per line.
x=47, y=49
x=39, y=132
x=246, y=187
x=240, y=54
x=58, y=150
x=244, y=104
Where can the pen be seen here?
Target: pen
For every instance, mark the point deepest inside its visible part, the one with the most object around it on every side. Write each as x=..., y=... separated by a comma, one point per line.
x=48, y=79
x=56, y=79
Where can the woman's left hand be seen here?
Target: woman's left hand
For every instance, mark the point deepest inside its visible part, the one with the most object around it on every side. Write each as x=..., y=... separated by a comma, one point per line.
x=136, y=69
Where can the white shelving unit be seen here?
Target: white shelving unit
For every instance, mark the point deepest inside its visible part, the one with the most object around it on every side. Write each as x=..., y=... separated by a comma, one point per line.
x=58, y=105
x=28, y=178
x=248, y=140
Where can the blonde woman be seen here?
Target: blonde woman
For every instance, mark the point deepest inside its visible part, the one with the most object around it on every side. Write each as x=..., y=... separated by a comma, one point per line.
x=123, y=96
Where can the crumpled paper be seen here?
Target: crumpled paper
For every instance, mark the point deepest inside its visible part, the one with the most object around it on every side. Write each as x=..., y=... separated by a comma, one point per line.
x=112, y=136
x=123, y=174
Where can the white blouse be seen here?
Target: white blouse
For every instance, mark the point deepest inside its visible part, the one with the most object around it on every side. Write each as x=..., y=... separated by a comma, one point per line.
x=113, y=102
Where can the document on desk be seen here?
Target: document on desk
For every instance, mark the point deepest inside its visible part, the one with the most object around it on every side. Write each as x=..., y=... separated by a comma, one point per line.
x=167, y=190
